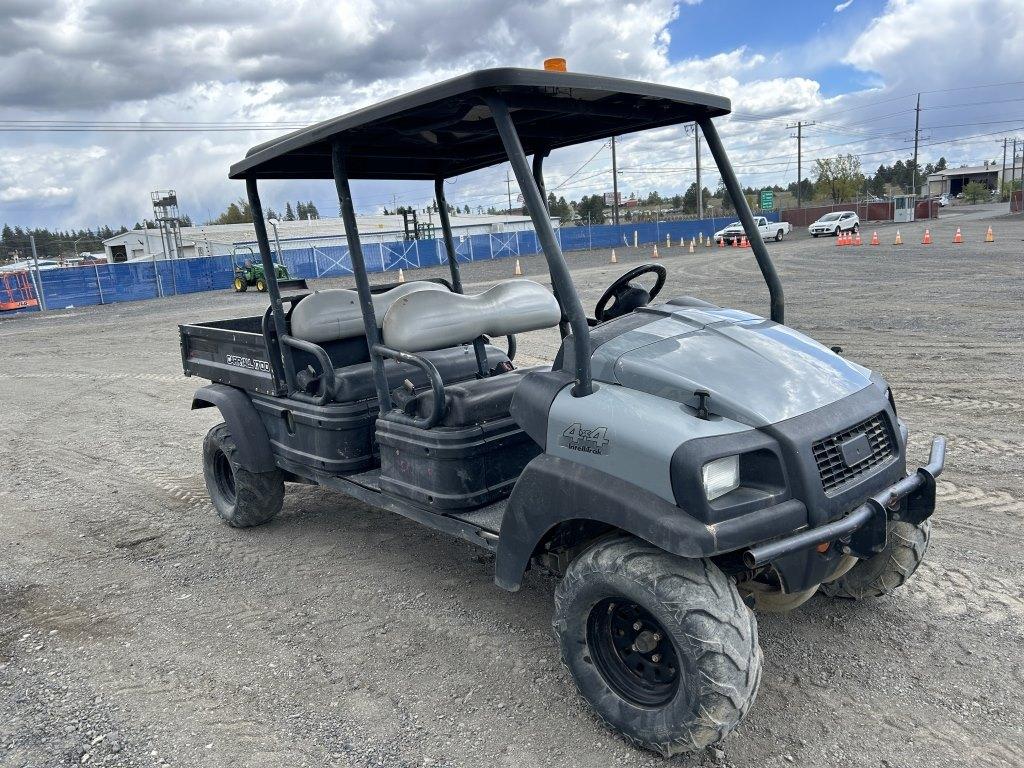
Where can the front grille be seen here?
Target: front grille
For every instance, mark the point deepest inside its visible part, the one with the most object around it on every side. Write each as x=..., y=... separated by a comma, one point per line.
x=831, y=466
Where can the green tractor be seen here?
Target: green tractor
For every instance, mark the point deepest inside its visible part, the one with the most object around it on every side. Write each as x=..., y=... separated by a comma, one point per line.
x=247, y=273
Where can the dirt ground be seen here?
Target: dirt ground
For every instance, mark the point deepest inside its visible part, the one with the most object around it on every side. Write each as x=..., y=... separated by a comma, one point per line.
x=137, y=630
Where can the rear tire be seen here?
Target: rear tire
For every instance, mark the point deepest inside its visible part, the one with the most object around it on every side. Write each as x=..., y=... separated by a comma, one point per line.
x=778, y=236
x=242, y=498
x=887, y=571
x=691, y=673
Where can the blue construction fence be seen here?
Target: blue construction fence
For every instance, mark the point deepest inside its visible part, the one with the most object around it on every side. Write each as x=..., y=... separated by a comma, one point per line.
x=114, y=283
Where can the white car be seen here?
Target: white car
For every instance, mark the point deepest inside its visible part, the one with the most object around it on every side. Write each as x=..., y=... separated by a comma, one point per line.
x=834, y=223
x=943, y=200
x=770, y=230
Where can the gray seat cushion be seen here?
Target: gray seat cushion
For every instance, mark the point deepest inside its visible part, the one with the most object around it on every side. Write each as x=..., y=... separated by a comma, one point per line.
x=473, y=401
x=434, y=320
x=335, y=313
x=355, y=382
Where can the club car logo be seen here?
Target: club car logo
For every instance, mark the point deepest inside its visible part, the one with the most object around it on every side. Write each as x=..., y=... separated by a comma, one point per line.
x=578, y=438
x=248, y=363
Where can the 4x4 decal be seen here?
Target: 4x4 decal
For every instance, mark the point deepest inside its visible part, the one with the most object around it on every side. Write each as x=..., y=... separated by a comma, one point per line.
x=577, y=438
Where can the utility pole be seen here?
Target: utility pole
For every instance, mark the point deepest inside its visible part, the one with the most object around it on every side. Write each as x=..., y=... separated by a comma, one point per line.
x=696, y=149
x=799, y=159
x=917, y=130
x=508, y=186
x=1002, y=176
x=614, y=184
x=1013, y=172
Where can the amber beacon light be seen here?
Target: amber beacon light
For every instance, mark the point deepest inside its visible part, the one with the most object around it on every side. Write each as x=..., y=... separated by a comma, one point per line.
x=554, y=65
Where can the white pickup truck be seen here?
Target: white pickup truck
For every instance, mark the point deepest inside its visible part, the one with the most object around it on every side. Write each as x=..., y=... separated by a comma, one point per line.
x=770, y=230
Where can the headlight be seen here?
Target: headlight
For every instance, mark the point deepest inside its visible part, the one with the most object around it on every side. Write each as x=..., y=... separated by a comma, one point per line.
x=721, y=476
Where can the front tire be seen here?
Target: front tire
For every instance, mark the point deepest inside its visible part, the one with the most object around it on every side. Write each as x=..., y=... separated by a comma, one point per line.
x=662, y=647
x=883, y=574
x=242, y=498
x=240, y=285
x=261, y=285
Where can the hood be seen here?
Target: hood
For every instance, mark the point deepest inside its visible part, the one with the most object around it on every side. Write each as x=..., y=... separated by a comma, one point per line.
x=758, y=372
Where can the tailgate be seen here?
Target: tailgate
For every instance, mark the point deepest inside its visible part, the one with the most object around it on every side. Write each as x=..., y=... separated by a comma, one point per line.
x=231, y=352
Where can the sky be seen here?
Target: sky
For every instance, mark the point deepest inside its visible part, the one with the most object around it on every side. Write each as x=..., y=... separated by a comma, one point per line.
x=207, y=79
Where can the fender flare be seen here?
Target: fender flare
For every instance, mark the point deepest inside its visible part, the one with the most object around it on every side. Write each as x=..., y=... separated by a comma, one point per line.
x=254, y=451
x=553, y=490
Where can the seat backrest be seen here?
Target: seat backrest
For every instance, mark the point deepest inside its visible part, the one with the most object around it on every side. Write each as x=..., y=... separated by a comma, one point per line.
x=335, y=313
x=434, y=320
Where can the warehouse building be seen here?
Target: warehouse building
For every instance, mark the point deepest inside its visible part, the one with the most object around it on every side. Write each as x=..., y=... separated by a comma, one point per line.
x=953, y=180
x=226, y=239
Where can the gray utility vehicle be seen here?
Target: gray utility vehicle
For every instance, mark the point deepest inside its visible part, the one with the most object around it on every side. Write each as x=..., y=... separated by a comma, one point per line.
x=675, y=465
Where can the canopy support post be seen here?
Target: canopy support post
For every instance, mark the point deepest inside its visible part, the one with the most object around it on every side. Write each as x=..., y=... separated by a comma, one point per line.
x=561, y=279
x=732, y=184
x=446, y=230
x=270, y=274
x=538, y=178
x=355, y=250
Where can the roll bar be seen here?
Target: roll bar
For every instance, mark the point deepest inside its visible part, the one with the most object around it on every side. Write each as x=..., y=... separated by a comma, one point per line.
x=531, y=182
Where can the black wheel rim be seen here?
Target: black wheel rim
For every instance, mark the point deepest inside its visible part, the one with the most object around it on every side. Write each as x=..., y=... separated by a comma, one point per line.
x=224, y=476
x=633, y=652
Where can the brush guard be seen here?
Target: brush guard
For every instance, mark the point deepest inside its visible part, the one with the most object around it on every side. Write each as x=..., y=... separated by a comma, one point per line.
x=863, y=531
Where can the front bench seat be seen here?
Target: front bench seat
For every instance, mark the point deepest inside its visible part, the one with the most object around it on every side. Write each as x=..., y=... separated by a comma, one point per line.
x=335, y=314
x=427, y=320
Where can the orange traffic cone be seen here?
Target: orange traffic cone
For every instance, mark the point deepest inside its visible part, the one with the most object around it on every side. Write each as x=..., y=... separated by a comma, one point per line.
x=691, y=245
x=707, y=241
x=899, y=238
x=654, y=255
x=401, y=276
x=874, y=238
x=721, y=241
x=735, y=242
x=519, y=270
x=989, y=237
x=957, y=238
x=857, y=240
x=840, y=239
x=744, y=243
x=615, y=259
x=927, y=239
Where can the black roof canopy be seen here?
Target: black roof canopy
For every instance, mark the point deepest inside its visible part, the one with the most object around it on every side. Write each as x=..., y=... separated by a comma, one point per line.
x=446, y=129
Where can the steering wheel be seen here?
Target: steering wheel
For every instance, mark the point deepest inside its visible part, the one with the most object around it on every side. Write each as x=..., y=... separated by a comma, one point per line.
x=627, y=296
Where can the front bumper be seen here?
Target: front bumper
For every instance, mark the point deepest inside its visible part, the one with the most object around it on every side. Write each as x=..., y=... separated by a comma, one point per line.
x=862, y=531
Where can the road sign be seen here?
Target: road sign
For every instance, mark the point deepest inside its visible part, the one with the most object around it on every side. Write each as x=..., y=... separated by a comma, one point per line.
x=767, y=199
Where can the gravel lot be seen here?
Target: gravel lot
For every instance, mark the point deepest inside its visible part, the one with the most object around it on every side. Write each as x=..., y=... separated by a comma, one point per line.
x=136, y=630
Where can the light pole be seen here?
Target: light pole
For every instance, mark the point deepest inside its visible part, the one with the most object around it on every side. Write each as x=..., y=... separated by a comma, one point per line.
x=277, y=240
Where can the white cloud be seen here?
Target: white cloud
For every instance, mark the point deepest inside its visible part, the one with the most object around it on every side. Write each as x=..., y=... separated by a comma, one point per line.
x=843, y=6
x=304, y=60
